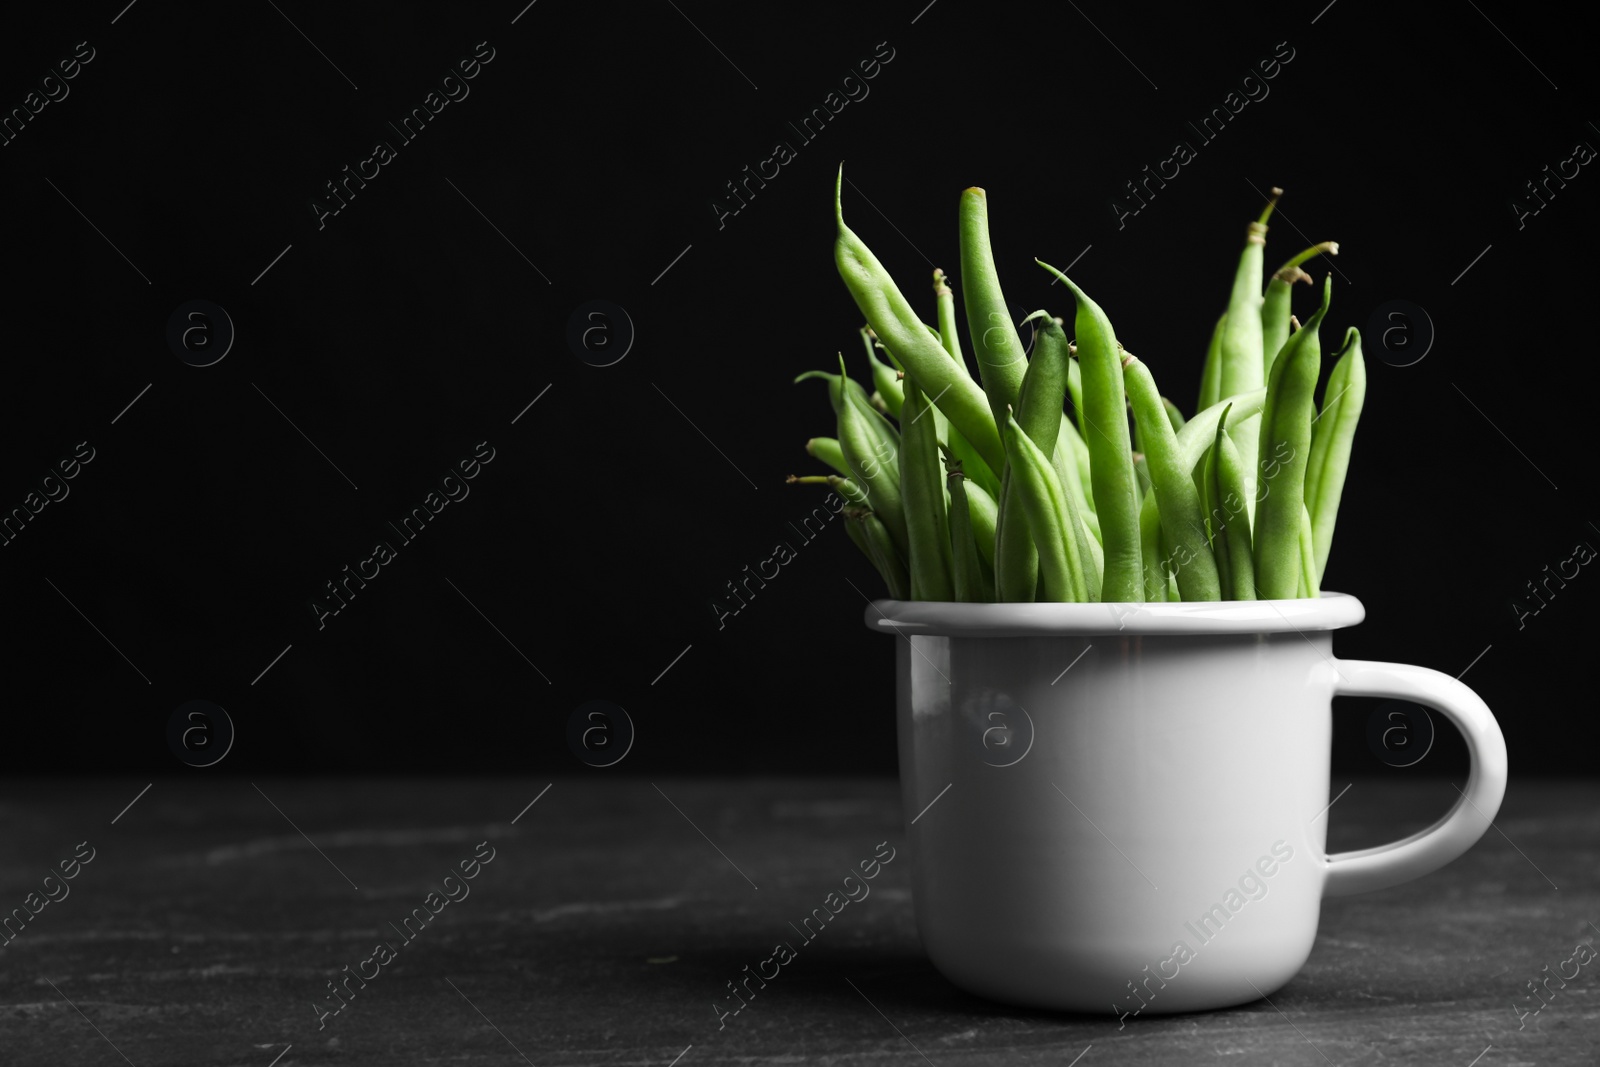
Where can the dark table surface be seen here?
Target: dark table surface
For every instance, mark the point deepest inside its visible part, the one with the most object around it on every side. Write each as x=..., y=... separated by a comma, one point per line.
x=615, y=910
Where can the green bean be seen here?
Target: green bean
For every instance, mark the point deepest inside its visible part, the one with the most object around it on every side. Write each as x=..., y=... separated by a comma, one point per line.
x=1093, y=556
x=1308, y=555
x=1065, y=460
x=883, y=431
x=1038, y=412
x=1048, y=510
x=1092, y=521
x=1141, y=475
x=858, y=534
x=874, y=463
x=1111, y=463
x=1154, y=579
x=828, y=451
x=973, y=463
x=1174, y=416
x=1300, y=336
x=1173, y=594
x=1332, y=398
x=1079, y=458
x=1286, y=441
x=1216, y=523
x=1211, y=375
x=1182, y=517
x=922, y=486
x=1197, y=478
x=1331, y=438
x=1001, y=359
x=1175, y=419
x=1275, y=305
x=1201, y=477
x=882, y=551
x=1243, y=368
x=1233, y=525
x=1016, y=558
x=984, y=512
x=1199, y=432
x=965, y=565
x=1075, y=391
x=904, y=334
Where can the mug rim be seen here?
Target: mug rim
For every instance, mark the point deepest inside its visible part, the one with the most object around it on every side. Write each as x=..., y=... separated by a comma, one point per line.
x=934, y=618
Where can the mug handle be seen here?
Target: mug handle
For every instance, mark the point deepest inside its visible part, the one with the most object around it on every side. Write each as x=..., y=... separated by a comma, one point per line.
x=1466, y=821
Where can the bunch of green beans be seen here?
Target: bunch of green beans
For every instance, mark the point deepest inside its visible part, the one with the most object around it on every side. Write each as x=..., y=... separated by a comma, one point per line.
x=1061, y=472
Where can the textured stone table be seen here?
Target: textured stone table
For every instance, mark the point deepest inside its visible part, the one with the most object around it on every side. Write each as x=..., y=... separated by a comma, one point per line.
x=612, y=914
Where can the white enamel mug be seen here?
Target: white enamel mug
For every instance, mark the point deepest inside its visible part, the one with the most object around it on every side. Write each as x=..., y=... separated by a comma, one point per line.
x=1122, y=807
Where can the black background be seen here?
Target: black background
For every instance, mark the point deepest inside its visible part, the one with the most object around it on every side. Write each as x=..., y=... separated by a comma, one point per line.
x=407, y=330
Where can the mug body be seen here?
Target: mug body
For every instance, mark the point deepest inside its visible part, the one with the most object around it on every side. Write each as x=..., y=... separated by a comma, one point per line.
x=1119, y=809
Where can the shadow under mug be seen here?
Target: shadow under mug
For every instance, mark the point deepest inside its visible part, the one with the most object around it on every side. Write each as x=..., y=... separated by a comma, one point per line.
x=1123, y=806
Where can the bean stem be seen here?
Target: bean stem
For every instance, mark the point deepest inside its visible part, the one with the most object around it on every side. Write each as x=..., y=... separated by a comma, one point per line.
x=1325, y=247
x=949, y=330
x=846, y=488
